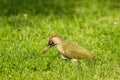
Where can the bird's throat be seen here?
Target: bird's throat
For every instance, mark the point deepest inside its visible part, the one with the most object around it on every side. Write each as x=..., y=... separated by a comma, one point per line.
x=60, y=49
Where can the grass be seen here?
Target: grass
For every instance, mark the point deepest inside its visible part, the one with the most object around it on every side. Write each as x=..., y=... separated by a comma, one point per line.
x=26, y=26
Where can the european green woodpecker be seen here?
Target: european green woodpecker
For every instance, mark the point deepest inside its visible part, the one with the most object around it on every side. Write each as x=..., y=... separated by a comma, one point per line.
x=68, y=49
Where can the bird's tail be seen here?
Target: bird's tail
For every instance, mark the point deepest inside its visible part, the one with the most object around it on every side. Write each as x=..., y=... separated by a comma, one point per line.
x=93, y=57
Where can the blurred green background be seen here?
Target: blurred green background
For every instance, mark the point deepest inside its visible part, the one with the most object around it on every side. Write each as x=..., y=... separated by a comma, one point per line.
x=26, y=26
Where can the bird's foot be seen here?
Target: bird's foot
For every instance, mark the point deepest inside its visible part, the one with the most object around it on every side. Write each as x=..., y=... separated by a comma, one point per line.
x=63, y=57
x=74, y=60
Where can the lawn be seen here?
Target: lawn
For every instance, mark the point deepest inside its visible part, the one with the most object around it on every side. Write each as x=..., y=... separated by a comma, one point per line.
x=26, y=26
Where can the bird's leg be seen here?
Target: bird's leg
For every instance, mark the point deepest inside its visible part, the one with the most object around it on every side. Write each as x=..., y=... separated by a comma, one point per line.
x=74, y=60
x=63, y=57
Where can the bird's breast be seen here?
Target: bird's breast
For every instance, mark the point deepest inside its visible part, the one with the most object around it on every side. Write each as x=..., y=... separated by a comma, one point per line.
x=60, y=49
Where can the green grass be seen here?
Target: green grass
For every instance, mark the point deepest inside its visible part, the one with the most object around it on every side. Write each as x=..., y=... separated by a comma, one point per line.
x=26, y=26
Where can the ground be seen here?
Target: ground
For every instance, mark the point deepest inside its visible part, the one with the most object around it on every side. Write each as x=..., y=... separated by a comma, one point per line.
x=26, y=26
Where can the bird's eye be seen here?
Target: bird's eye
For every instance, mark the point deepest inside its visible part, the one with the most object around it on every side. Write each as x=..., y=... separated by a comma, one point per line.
x=51, y=43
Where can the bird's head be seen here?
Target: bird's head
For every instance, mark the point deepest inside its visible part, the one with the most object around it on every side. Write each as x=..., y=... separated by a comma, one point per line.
x=53, y=41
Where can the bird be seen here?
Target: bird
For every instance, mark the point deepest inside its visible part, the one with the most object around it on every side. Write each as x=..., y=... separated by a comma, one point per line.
x=69, y=50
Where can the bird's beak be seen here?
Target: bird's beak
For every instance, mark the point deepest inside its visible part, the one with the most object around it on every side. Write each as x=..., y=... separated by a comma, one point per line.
x=46, y=48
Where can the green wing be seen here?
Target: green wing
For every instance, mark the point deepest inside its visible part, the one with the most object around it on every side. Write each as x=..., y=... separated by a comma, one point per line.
x=75, y=51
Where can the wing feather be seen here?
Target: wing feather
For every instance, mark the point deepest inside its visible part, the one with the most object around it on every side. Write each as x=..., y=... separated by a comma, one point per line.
x=73, y=50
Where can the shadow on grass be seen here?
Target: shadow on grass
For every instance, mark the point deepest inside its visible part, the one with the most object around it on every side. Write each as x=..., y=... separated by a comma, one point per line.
x=46, y=7
x=64, y=8
x=34, y=7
